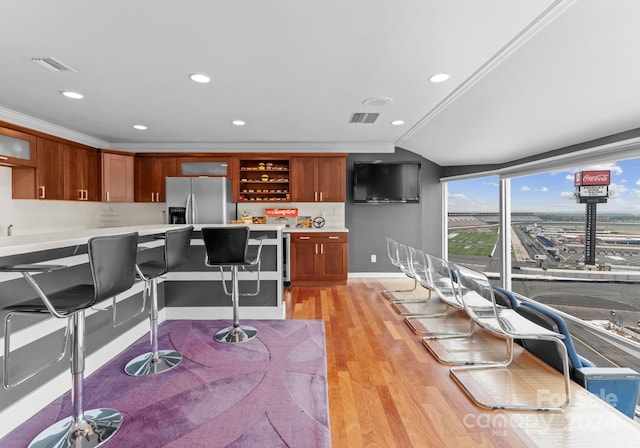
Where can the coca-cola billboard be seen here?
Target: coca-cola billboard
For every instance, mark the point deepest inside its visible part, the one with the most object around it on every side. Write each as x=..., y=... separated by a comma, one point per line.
x=585, y=178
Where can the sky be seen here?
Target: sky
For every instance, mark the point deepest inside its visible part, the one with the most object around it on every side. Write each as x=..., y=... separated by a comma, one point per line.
x=549, y=192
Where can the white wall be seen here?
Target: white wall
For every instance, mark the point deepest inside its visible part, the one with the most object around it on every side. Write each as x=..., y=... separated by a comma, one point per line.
x=39, y=216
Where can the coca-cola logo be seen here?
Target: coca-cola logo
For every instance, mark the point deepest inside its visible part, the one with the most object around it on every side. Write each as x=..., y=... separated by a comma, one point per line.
x=592, y=178
x=595, y=178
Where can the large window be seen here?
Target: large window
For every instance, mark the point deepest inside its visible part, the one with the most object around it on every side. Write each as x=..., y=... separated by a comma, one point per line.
x=549, y=240
x=473, y=223
x=548, y=234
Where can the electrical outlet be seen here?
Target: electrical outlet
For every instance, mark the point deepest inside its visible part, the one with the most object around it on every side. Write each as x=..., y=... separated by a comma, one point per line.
x=373, y=258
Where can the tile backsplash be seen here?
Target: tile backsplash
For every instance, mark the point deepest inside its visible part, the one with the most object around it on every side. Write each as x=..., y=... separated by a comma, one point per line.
x=36, y=216
x=332, y=212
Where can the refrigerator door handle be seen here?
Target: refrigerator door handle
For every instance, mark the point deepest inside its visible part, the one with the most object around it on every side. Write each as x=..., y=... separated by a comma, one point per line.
x=188, y=212
x=194, y=209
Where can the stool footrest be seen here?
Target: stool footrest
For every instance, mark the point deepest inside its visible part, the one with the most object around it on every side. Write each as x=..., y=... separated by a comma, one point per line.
x=31, y=267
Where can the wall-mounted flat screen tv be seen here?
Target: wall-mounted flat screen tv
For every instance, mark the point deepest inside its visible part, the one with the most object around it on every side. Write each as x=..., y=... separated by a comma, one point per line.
x=382, y=182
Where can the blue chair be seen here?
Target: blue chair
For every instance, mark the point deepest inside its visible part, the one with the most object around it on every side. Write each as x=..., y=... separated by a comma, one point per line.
x=546, y=350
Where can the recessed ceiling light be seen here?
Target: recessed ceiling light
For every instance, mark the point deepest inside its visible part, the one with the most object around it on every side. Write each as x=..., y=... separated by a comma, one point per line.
x=73, y=95
x=140, y=127
x=377, y=101
x=199, y=77
x=397, y=122
x=238, y=123
x=440, y=77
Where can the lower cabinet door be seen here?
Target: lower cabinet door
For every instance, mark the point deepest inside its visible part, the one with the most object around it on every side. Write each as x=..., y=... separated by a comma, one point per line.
x=303, y=261
x=333, y=264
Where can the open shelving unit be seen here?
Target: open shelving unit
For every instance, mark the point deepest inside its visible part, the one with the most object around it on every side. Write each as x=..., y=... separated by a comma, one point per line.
x=263, y=180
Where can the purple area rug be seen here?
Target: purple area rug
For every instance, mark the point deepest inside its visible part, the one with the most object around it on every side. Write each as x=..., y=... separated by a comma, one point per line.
x=267, y=392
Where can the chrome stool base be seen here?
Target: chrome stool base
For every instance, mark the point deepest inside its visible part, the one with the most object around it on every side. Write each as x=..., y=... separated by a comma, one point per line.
x=236, y=334
x=98, y=425
x=153, y=363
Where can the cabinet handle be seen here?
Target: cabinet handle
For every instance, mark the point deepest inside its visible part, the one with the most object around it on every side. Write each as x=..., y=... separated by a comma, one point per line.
x=304, y=237
x=316, y=248
x=152, y=197
x=86, y=195
x=321, y=249
x=42, y=192
x=80, y=195
x=107, y=196
x=321, y=196
x=334, y=237
x=315, y=196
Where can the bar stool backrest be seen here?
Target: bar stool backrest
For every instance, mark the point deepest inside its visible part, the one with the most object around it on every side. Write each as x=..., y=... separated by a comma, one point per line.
x=112, y=260
x=226, y=245
x=176, y=247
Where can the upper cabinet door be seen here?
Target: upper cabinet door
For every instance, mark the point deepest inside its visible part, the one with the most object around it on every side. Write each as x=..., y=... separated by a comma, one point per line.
x=331, y=172
x=49, y=181
x=117, y=177
x=80, y=173
x=150, y=175
x=17, y=148
x=318, y=179
x=303, y=179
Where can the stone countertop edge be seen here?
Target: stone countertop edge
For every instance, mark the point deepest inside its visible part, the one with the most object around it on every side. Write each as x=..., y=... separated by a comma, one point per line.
x=312, y=229
x=34, y=242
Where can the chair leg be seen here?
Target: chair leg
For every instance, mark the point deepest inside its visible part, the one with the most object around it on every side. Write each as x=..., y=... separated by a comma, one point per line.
x=236, y=333
x=84, y=429
x=156, y=361
x=388, y=293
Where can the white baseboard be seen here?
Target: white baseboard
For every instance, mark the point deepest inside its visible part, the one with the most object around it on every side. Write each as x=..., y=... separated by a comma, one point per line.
x=375, y=275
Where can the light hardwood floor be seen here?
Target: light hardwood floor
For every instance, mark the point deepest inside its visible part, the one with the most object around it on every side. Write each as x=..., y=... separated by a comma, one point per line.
x=386, y=389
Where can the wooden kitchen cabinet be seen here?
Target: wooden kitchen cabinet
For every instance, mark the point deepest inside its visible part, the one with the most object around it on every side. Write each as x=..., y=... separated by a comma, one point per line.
x=81, y=179
x=319, y=258
x=17, y=148
x=318, y=179
x=150, y=174
x=117, y=177
x=49, y=182
x=64, y=171
x=45, y=180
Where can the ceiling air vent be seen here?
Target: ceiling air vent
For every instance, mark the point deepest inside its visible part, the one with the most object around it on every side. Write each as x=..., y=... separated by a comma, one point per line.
x=363, y=117
x=52, y=64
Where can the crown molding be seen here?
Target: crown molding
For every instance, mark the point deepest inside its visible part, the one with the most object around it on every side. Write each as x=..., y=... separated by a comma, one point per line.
x=540, y=22
x=36, y=124
x=338, y=147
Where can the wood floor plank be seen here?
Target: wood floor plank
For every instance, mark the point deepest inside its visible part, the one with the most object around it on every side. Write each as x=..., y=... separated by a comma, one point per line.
x=386, y=389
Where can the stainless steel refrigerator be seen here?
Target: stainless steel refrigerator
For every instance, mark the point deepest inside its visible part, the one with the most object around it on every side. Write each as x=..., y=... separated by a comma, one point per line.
x=199, y=200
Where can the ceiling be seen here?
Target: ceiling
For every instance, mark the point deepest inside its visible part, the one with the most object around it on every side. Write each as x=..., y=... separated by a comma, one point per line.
x=527, y=76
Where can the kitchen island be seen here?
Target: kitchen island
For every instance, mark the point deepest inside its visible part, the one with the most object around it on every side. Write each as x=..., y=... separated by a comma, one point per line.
x=193, y=291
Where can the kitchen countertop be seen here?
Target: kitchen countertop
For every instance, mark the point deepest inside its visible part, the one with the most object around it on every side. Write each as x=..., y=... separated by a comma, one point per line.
x=20, y=244
x=322, y=229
